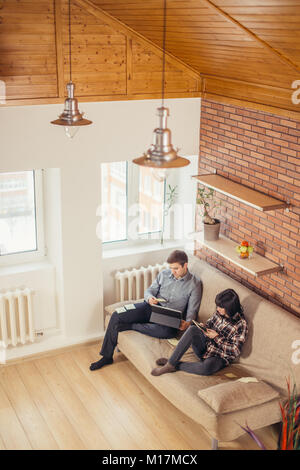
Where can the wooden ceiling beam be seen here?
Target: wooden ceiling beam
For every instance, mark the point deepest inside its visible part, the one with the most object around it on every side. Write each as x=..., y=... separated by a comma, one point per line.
x=285, y=60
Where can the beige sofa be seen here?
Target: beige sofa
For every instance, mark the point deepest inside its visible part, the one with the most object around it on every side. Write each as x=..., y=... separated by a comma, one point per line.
x=221, y=403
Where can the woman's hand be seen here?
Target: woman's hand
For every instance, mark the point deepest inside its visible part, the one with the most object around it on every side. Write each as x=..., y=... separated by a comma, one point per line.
x=211, y=333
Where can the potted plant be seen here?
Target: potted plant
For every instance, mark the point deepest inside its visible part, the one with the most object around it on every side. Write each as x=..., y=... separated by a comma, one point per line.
x=211, y=225
x=289, y=436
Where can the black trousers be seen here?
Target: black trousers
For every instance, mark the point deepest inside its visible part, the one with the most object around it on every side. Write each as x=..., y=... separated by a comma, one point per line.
x=136, y=319
x=194, y=337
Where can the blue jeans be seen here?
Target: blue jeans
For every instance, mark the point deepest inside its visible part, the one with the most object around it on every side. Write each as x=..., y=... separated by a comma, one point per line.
x=136, y=319
x=196, y=338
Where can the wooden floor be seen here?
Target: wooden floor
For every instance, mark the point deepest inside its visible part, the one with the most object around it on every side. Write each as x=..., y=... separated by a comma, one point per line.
x=56, y=402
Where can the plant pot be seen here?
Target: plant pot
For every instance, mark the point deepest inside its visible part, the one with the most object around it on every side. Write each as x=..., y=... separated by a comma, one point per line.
x=212, y=231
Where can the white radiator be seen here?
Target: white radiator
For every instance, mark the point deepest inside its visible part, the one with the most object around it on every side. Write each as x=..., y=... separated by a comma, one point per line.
x=131, y=284
x=16, y=317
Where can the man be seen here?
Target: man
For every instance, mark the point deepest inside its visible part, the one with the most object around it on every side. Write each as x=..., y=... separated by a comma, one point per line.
x=179, y=288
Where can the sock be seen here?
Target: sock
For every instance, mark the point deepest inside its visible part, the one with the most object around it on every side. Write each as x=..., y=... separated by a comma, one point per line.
x=162, y=361
x=164, y=370
x=102, y=362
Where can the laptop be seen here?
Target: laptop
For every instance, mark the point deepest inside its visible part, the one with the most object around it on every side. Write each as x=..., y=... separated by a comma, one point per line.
x=165, y=316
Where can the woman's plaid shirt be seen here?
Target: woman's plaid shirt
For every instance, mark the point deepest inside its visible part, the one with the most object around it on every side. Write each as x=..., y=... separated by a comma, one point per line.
x=232, y=334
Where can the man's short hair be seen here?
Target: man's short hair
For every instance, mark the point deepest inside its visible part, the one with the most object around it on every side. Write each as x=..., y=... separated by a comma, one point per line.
x=177, y=256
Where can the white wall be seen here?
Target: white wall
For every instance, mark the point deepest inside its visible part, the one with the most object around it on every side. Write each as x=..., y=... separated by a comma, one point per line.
x=120, y=131
x=53, y=236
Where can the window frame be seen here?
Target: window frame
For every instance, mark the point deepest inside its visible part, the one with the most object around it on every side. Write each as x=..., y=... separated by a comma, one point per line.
x=40, y=252
x=132, y=174
x=122, y=241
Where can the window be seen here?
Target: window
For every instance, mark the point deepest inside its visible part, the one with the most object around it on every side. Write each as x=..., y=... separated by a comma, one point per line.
x=151, y=201
x=114, y=201
x=132, y=203
x=21, y=228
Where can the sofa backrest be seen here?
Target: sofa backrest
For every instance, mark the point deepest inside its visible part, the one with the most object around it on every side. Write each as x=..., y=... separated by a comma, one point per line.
x=269, y=352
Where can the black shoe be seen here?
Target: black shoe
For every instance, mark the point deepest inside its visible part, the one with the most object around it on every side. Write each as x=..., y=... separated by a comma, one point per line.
x=102, y=362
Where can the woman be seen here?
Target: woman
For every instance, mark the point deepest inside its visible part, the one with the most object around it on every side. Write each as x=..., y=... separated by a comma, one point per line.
x=217, y=345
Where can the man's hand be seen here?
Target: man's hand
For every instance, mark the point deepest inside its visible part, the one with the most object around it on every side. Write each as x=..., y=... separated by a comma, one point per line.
x=184, y=325
x=211, y=333
x=152, y=301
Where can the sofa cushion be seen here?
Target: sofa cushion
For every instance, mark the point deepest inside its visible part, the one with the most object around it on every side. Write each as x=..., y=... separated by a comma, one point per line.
x=232, y=396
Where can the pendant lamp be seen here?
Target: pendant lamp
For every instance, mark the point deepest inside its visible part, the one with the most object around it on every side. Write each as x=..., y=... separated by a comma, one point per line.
x=71, y=118
x=162, y=155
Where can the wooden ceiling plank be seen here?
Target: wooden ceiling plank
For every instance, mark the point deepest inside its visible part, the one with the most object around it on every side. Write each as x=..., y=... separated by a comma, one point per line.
x=250, y=93
x=218, y=83
x=252, y=104
x=59, y=48
x=229, y=18
x=225, y=3
x=193, y=3
x=267, y=18
x=271, y=87
x=260, y=9
x=21, y=18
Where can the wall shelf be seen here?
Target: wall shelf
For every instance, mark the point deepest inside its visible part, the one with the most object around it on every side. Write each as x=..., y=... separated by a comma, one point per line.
x=257, y=265
x=251, y=197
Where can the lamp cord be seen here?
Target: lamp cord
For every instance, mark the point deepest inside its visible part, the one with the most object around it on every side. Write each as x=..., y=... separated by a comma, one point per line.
x=164, y=54
x=70, y=61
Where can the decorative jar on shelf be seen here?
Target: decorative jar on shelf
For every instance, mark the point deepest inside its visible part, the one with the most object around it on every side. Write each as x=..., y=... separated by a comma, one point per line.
x=244, y=250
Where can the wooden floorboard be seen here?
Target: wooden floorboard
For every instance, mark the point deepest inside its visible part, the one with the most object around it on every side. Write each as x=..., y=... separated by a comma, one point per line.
x=56, y=402
x=28, y=413
x=54, y=415
x=11, y=430
x=74, y=409
x=97, y=401
x=128, y=415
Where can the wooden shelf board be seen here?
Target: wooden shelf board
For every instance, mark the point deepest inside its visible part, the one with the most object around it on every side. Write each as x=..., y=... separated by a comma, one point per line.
x=251, y=197
x=257, y=265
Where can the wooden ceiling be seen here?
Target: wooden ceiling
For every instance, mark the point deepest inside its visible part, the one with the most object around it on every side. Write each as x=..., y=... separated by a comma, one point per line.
x=245, y=49
x=239, y=39
x=238, y=50
x=109, y=61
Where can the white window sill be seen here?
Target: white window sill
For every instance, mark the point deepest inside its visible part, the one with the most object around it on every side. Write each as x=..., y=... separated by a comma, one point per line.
x=24, y=268
x=142, y=248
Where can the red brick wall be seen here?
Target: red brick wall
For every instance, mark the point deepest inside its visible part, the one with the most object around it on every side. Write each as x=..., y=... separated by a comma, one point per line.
x=262, y=151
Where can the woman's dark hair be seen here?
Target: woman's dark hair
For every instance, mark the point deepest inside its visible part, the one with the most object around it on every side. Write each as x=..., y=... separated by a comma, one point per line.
x=177, y=256
x=229, y=300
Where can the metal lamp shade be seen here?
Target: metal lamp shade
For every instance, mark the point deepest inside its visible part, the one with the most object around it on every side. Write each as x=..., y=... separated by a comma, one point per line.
x=162, y=154
x=71, y=115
